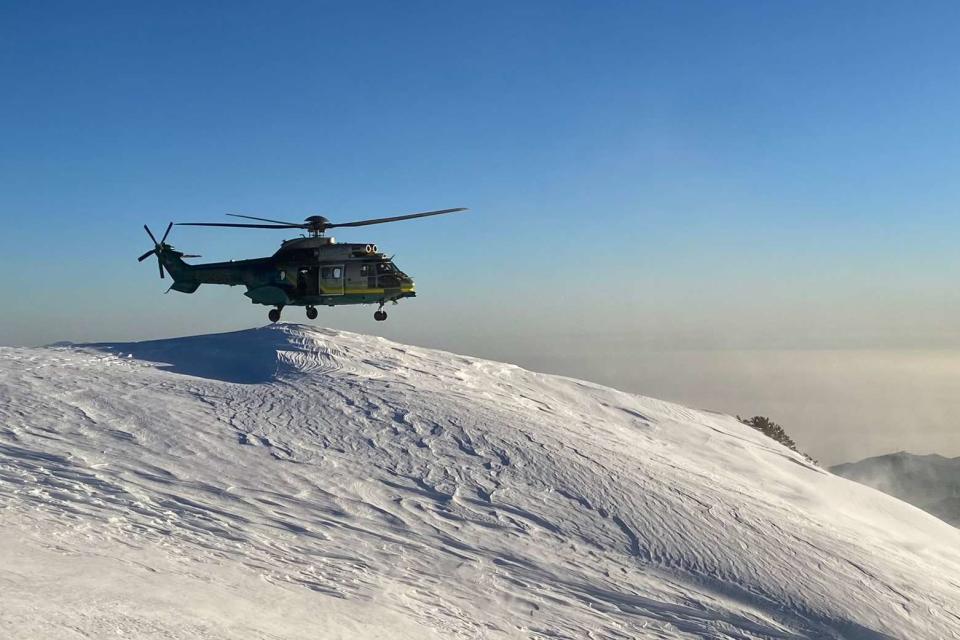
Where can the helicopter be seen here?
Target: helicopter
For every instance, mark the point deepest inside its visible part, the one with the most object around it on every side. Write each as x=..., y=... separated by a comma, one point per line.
x=309, y=271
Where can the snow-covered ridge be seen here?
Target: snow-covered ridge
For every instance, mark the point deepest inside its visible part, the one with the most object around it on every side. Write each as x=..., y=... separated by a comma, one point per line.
x=296, y=482
x=931, y=482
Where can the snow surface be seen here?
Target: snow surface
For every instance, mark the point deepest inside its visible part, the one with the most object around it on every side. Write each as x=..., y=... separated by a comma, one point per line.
x=291, y=482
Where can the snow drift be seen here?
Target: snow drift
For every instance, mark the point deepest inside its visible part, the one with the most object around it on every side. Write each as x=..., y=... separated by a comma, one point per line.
x=295, y=482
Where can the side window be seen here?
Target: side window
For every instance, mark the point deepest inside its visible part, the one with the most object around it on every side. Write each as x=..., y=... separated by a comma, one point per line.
x=325, y=273
x=364, y=269
x=337, y=272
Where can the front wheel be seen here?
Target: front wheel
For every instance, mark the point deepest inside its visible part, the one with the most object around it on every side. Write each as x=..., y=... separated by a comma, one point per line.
x=379, y=316
x=274, y=315
x=312, y=313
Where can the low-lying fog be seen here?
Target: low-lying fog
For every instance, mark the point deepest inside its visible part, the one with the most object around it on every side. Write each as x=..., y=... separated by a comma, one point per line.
x=837, y=405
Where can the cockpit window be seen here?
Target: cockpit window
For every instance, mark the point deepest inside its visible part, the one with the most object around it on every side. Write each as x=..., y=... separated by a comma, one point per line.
x=385, y=267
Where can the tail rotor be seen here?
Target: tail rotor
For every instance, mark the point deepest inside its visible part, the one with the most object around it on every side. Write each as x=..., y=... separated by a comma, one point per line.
x=158, y=247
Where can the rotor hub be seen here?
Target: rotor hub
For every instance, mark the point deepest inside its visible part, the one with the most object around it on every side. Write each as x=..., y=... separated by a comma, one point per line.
x=317, y=225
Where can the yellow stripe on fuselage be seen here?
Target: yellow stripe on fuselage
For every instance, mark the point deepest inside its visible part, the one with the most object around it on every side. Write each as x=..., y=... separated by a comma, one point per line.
x=370, y=291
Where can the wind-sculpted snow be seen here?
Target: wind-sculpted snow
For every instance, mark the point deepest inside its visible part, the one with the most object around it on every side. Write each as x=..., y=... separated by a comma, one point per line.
x=290, y=482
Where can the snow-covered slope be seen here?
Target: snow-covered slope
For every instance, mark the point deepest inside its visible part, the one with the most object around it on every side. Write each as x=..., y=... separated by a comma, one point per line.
x=289, y=482
x=931, y=482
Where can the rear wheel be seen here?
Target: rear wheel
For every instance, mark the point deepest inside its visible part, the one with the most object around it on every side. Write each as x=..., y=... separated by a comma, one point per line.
x=274, y=315
x=380, y=316
x=312, y=313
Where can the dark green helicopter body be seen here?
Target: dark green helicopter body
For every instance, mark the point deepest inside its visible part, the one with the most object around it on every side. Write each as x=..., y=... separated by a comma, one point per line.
x=308, y=271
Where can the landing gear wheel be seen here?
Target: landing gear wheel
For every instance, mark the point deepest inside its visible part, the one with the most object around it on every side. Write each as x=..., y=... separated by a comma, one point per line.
x=312, y=313
x=274, y=315
x=380, y=316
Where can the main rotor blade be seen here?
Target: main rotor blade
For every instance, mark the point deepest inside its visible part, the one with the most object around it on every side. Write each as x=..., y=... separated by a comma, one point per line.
x=146, y=255
x=166, y=233
x=150, y=234
x=237, y=215
x=246, y=226
x=363, y=223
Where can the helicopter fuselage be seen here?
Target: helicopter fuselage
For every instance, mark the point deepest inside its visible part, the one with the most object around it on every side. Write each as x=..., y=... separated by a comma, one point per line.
x=307, y=271
x=313, y=271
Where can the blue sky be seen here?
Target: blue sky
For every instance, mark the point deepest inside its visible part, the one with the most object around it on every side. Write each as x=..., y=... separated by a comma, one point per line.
x=655, y=175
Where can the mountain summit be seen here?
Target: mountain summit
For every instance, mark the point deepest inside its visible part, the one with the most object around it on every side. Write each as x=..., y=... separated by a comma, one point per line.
x=294, y=482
